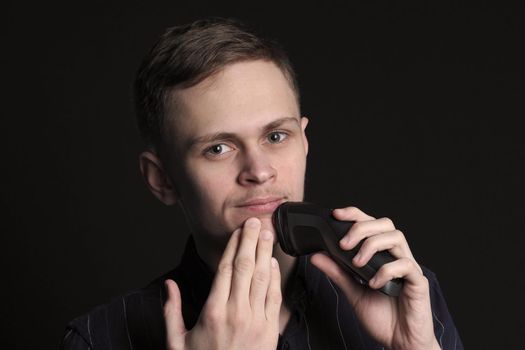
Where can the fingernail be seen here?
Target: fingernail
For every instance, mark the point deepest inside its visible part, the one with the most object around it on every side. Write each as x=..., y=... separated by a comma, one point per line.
x=345, y=241
x=274, y=262
x=252, y=222
x=266, y=235
x=357, y=257
x=372, y=282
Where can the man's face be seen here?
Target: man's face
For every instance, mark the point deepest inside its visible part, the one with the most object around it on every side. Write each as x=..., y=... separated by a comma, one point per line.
x=238, y=148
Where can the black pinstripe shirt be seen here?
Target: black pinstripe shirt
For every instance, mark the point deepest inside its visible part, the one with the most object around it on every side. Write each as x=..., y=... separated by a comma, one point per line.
x=321, y=316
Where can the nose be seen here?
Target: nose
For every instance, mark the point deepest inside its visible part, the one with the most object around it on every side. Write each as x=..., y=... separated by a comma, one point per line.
x=256, y=168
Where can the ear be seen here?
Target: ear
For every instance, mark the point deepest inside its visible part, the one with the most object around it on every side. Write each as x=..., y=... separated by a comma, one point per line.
x=157, y=178
x=304, y=123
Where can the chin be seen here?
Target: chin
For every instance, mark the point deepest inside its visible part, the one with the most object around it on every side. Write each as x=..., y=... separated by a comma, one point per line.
x=267, y=223
x=240, y=218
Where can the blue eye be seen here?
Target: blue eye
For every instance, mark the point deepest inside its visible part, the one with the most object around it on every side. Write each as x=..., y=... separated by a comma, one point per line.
x=277, y=137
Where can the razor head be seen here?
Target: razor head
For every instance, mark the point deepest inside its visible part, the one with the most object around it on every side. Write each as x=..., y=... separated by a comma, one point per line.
x=300, y=227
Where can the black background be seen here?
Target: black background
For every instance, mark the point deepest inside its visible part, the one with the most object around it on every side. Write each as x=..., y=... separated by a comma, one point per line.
x=414, y=114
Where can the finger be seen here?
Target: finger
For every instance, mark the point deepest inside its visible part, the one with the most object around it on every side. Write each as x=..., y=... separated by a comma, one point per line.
x=262, y=273
x=404, y=268
x=364, y=229
x=274, y=296
x=244, y=262
x=351, y=214
x=393, y=241
x=221, y=287
x=175, y=328
x=351, y=288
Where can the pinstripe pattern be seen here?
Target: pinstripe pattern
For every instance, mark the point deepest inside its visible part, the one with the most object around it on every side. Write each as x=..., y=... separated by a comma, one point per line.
x=89, y=330
x=439, y=337
x=126, y=318
x=321, y=319
x=337, y=312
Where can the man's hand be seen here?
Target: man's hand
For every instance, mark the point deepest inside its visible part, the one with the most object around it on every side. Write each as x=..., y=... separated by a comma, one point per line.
x=404, y=322
x=242, y=309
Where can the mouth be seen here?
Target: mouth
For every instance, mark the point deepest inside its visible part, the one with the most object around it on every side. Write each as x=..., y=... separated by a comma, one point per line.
x=260, y=206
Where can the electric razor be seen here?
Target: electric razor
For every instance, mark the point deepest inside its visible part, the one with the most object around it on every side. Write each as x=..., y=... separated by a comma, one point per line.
x=304, y=228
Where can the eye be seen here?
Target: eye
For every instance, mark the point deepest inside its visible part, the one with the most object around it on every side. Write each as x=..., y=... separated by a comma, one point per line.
x=277, y=137
x=218, y=149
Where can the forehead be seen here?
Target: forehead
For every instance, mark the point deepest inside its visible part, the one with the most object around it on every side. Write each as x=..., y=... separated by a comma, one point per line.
x=241, y=98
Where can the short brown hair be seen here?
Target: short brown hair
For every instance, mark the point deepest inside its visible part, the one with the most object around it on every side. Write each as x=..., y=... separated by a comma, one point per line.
x=186, y=55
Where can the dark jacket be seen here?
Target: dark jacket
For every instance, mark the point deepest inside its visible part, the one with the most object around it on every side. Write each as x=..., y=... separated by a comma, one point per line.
x=321, y=318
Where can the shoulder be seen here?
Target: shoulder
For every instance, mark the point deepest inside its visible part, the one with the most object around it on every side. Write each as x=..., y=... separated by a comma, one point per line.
x=444, y=327
x=133, y=318
x=436, y=295
x=429, y=274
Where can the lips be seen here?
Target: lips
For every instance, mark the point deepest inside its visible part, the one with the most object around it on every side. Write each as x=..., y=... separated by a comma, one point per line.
x=262, y=205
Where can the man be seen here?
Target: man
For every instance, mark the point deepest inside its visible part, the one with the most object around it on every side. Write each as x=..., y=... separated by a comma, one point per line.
x=219, y=110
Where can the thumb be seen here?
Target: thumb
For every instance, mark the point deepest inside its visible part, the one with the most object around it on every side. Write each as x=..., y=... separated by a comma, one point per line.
x=343, y=279
x=175, y=328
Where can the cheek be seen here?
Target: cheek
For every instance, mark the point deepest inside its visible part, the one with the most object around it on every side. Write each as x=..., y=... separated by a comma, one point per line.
x=217, y=191
x=292, y=167
x=211, y=186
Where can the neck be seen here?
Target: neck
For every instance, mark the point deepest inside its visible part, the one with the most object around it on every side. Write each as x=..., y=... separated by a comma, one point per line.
x=207, y=249
x=286, y=265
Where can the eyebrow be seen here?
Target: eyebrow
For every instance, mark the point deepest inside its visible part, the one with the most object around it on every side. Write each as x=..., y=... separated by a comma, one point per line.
x=209, y=138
